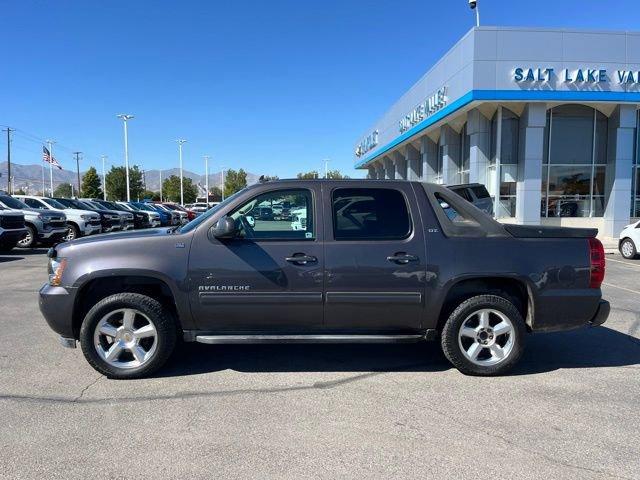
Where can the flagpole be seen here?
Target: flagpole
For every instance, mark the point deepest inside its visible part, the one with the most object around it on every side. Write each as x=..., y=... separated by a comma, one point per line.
x=50, y=143
x=43, y=187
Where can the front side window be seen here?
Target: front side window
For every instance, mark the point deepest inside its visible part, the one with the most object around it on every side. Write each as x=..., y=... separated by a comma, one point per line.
x=369, y=214
x=279, y=215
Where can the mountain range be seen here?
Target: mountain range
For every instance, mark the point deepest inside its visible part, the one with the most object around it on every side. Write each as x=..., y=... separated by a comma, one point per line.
x=29, y=177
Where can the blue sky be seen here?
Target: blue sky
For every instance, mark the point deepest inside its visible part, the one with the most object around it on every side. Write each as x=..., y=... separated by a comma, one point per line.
x=270, y=86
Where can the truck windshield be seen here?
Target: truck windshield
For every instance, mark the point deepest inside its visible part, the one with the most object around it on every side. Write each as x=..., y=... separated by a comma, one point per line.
x=198, y=220
x=12, y=202
x=53, y=203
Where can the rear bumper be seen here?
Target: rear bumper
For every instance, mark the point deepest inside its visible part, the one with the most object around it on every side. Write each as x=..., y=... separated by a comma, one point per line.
x=601, y=314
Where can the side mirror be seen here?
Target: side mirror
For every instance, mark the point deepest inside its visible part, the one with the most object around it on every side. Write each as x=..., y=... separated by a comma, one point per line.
x=225, y=228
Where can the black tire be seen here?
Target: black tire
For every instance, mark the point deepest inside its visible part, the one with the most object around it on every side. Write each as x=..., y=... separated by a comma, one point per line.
x=451, y=345
x=162, y=319
x=30, y=239
x=633, y=250
x=73, y=232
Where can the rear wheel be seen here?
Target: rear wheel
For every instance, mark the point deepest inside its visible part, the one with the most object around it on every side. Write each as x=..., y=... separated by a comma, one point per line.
x=484, y=335
x=29, y=240
x=628, y=249
x=128, y=335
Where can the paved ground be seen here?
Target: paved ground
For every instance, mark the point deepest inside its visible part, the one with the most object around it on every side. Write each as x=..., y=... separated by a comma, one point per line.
x=569, y=411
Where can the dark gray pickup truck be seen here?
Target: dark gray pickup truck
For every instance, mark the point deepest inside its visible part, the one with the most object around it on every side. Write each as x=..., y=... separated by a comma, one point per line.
x=357, y=261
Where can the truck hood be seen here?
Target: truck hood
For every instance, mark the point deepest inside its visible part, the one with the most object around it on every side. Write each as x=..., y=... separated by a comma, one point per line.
x=131, y=235
x=74, y=212
x=34, y=212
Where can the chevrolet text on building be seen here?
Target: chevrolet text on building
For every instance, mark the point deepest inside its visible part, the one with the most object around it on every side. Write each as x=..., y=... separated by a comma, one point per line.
x=369, y=143
x=546, y=119
x=430, y=106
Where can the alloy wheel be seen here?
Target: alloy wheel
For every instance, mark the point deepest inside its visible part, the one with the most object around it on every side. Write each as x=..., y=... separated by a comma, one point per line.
x=627, y=249
x=486, y=337
x=125, y=338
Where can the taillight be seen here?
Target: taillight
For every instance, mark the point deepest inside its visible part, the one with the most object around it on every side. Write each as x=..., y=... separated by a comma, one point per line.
x=596, y=254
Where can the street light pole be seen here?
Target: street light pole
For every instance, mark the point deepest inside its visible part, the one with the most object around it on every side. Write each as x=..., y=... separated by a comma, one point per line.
x=180, y=143
x=326, y=167
x=50, y=145
x=125, y=118
x=160, y=184
x=104, y=180
x=206, y=178
x=222, y=181
x=77, y=154
x=473, y=5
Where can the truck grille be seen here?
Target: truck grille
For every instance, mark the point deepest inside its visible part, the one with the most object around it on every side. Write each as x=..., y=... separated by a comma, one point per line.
x=56, y=222
x=9, y=222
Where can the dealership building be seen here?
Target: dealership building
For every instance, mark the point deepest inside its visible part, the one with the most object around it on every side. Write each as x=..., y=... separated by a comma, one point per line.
x=547, y=119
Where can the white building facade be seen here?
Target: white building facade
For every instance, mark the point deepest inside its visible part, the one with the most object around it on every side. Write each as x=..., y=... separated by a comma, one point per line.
x=546, y=119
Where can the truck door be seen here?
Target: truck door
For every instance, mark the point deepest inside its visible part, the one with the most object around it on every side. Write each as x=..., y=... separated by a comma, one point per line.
x=374, y=258
x=270, y=278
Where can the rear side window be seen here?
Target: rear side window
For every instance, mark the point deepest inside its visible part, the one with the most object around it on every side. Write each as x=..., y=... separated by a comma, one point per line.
x=464, y=193
x=369, y=214
x=480, y=192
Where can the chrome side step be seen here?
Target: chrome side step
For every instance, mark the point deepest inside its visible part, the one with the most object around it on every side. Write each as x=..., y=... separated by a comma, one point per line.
x=230, y=339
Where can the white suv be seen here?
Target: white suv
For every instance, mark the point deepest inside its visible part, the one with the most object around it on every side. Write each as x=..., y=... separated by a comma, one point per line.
x=630, y=240
x=79, y=222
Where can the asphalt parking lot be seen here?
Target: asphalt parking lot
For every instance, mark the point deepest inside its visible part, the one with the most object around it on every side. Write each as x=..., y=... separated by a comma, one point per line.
x=570, y=410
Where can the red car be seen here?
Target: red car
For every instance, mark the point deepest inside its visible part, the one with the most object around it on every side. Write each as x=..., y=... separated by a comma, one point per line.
x=174, y=206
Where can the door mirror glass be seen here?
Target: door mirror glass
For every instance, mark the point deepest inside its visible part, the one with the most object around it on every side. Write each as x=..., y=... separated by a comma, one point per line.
x=225, y=228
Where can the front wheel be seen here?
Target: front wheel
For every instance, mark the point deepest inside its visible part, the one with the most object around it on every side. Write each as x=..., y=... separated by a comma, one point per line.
x=485, y=335
x=128, y=335
x=628, y=249
x=30, y=239
x=72, y=233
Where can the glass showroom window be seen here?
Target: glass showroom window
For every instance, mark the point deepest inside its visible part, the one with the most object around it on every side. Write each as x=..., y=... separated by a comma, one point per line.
x=573, y=172
x=465, y=156
x=505, y=127
x=635, y=185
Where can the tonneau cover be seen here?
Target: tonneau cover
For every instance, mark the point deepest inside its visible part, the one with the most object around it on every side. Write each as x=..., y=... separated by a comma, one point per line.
x=539, y=231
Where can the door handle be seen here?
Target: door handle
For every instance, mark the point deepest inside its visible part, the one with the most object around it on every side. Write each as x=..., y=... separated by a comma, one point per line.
x=402, y=258
x=301, y=259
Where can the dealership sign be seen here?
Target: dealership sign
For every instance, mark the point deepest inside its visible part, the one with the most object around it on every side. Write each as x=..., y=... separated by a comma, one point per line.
x=576, y=75
x=370, y=142
x=427, y=108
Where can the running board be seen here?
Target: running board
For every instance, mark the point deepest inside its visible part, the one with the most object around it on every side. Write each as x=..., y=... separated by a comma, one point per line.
x=230, y=339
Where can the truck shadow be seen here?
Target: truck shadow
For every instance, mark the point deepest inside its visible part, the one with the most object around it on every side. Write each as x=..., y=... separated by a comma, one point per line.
x=585, y=348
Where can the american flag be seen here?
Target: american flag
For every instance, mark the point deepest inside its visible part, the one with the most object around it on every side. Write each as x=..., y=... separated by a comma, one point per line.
x=46, y=156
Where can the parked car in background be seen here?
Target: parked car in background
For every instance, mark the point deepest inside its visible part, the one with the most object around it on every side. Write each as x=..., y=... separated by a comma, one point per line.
x=200, y=207
x=12, y=229
x=629, y=243
x=80, y=222
x=43, y=226
x=299, y=219
x=152, y=218
x=109, y=220
x=175, y=216
x=394, y=269
x=126, y=217
x=166, y=218
x=475, y=193
x=140, y=219
x=190, y=214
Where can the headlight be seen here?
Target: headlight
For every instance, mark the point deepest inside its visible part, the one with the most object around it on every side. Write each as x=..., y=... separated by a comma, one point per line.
x=86, y=217
x=55, y=268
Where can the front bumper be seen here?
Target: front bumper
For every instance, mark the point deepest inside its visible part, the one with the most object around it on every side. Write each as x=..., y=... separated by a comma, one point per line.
x=53, y=234
x=56, y=305
x=12, y=237
x=601, y=314
x=90, y=229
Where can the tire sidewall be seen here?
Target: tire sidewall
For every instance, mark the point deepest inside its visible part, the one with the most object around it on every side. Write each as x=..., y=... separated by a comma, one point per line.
x=634, y=251
x=161, y=318
x=449, y=338
x=32, y=243
x=76, y=232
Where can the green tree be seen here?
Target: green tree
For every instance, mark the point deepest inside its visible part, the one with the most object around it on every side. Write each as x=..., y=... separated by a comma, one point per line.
x=215, y=194
x=63, y=190
x=116, y=183
x=234, y=181
x=19, y=192
x=155, y=196
x=171, y=189
x=91, y=184
x=335, y=175
x=308, y=175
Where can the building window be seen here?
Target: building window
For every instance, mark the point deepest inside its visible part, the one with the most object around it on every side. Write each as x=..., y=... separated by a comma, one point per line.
x=573, y=172
x=502, y=171
x=635, y=179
